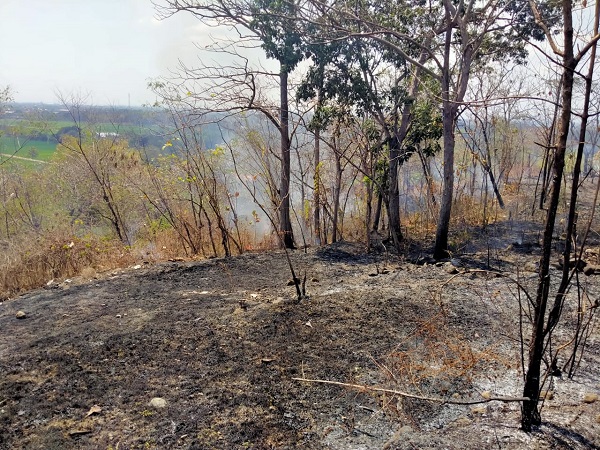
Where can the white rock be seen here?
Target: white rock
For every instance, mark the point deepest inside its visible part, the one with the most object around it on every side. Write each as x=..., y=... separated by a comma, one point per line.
x=158, y=402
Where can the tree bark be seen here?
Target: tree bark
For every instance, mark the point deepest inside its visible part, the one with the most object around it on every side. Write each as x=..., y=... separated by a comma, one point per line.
x=394, y=196
x=336, y=196
x=431, y=202
x=285, y=222
x=394, y=154
x=530, y=415
x=448, y=116
x=490, y=173
x=317, y=187
x=377, y=217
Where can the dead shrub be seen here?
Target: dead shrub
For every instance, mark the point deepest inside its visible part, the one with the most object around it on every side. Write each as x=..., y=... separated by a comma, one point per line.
x=419, y=225
x=436, y=360
x=470, y=211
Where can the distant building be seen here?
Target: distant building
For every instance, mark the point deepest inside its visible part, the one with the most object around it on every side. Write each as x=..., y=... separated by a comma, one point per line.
x=108, y=134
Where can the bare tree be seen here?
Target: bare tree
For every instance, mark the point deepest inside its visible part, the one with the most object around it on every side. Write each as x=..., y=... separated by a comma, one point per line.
x=99, y=157
x=271, y=24
x=487, y=128
x=443, y=42
x=544, y=324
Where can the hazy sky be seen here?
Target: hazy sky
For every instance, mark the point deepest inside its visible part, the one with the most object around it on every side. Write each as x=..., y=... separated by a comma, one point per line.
x=106, y=48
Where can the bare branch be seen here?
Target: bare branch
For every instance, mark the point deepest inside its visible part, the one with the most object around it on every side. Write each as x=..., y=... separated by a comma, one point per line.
x=443, y=401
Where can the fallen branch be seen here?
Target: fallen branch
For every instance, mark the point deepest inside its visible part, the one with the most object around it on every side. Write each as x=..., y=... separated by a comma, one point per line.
x=442, y=401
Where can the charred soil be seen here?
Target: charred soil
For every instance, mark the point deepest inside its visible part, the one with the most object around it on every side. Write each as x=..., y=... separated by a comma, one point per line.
x=220, y=342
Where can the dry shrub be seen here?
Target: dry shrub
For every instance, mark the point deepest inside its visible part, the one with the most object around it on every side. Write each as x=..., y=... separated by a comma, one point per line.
x=159, y=246
x=160, y=240
x=419, y=225
x=469, y=211
x=253, y=241
x=30, y=263
x=354, y=228
x=512, y=188
x=266, y=242
x=438, y=361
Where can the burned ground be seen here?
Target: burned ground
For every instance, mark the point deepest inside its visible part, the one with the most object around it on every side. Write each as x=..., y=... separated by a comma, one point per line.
x=222, y=340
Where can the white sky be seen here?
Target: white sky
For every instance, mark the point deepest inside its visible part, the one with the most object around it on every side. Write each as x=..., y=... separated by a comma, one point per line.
x=108, y=49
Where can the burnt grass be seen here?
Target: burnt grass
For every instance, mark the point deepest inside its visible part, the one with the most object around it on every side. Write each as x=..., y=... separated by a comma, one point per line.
x=222, y=340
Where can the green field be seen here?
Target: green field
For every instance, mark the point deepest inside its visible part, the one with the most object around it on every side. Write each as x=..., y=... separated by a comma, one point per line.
x=14, y=141
x=40, y=150
x=24, y=127
x=31, y=143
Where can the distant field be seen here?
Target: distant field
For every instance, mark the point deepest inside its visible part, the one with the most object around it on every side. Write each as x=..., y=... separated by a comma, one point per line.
x=51, y=127
x=23, y=126
x=41, y=150
x=13, y=141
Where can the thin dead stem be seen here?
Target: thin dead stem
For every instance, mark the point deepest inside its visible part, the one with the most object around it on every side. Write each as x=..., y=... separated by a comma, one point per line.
x=443, y=401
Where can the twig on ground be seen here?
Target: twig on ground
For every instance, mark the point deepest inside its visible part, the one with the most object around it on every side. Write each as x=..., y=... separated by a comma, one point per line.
x=364, y=432
x=361, y=387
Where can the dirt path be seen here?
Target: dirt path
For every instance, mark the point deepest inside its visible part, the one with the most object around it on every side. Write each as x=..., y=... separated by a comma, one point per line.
x=220, y=341
x=9, y=156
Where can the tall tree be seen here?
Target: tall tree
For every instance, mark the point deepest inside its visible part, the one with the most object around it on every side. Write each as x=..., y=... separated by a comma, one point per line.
x=544, y=324
x=273, y=24
x=446, y=41
x=473, y=35
x=376, y=84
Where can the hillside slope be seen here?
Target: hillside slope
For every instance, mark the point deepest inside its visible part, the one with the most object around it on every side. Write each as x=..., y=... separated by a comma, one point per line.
x=221, y=341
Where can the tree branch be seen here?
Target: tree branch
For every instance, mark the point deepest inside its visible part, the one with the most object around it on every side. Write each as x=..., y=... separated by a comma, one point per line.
x=443, y=401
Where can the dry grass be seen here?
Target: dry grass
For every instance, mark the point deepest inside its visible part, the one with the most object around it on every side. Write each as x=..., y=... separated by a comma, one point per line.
x=436, y=360
x=420, y=226
x=467, y=212
x=29, y=263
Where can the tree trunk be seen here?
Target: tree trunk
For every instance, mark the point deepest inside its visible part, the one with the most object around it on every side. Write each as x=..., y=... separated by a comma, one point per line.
x=377, y=217
x=285, y=222
x=115, y=218
x=441, y=236
x=317, y=185
x=530, y=415
x=394, y=154
x=431, y=202
x=548, y=153
x=336, y=196
x=368, y=202
x=394, y=196
x=449, y=114
x=488, y=169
